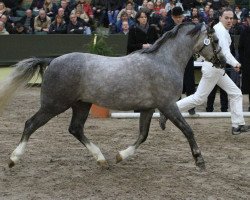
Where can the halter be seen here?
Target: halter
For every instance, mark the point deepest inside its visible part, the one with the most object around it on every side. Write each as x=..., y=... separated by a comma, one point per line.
x=207, y=42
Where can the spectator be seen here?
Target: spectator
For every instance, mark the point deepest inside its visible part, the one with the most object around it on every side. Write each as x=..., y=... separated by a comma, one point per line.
x=2, y=29
x=42, y=22
x=28, y=21
x=50, y=9
x=129, y=6
x=143, y=5
x=58, y=26
x=158, y=6
x=7, y=24
x=36, y=5
x=205, y=14
x=62, y=14
x=238, y=13
x=87, y=8
x=141, y=35
x=66, y=10
x=114, y=7
x=3, y=9
x=124, y=17
x=125, y=28
x=244, y=52
x=189, y=79
x=172, y=4
x=76, y=27
x=188, y=5
x=100, y=8
x=19, y=29
x=81, y=15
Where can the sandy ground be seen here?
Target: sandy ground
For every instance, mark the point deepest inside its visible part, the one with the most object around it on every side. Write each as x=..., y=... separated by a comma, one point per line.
x=57, y=166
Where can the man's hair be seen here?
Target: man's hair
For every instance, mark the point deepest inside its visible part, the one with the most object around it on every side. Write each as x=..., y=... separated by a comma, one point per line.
x=176, y=11
x=225, y=10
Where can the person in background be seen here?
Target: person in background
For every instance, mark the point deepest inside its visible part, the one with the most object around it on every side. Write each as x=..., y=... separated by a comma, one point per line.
x=19, y=28
x=129, y=6
x=7, y=24
x=42, y=22
x=58, y=26
x=141, y=35
x=50, y=9
x=244, y=53
x=100, y=8
x=28, y=21
x=2, y=29
x=124, y=17
x=77, y=27
x=125, y=28
x=189, y=79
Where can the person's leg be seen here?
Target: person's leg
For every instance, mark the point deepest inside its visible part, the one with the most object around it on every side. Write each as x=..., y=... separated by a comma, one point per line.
x=210, y=76
x=223, y=100
x=249, y=102
x=235, y=99
x=189, y=81
x=210, y=100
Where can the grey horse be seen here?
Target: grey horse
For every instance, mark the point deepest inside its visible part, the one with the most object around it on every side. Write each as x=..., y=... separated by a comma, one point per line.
x=145, y=80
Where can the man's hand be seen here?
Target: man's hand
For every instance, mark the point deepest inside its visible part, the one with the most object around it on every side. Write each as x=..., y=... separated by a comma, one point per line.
x=237, y=67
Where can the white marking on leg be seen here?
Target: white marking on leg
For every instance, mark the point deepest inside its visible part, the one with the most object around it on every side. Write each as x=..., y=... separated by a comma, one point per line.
x=127, y=152
x=18, y=152
x=95, y=151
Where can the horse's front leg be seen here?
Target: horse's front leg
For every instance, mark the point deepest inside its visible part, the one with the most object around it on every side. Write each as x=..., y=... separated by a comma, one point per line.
x=178, y=120
x=145, y=119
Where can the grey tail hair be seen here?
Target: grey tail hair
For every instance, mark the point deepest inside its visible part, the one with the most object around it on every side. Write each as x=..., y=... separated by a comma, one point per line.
x=22, y=73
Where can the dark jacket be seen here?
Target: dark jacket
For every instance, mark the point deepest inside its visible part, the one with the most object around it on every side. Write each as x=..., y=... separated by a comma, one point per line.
x=100, y=4
x=244, y=53
x=137, y=37
x=23, y=20
x=77, y=29
x=61, y=29
x=115, y=4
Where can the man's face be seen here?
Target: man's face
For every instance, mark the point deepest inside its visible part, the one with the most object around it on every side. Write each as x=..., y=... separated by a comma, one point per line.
x=178, y=19
x=227, y=19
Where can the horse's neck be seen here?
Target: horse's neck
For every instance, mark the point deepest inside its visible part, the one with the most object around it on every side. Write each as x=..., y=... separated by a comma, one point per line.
x=178, y=51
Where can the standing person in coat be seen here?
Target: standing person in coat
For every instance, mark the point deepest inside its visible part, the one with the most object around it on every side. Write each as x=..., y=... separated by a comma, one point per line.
x=244, y=54
x=177, y=18
x=141, y=35
x=212, y=76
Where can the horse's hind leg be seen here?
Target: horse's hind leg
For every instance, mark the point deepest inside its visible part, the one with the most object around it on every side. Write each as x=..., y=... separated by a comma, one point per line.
x=31, y=125
x=174, y=115
x=145, y=119
x=79, y=117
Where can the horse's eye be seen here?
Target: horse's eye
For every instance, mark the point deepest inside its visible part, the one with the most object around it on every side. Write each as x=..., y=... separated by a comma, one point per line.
x=216, y=41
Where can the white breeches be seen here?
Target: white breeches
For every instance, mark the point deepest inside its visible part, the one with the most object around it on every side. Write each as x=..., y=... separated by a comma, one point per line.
x=210, y=77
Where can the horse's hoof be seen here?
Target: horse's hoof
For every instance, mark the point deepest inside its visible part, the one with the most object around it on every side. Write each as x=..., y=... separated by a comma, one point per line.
x=201, y=164
x=103, y=163
x=118, y=158
x=11, y=163
x=162, y=122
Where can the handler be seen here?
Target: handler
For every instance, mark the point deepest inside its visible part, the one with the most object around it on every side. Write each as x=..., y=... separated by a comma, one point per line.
x=212, y=76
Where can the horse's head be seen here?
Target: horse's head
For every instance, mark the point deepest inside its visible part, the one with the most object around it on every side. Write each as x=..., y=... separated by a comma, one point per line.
x=208, y=47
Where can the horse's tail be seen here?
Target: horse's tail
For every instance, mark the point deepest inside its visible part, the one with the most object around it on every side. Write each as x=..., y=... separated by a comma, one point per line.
x=20, y=76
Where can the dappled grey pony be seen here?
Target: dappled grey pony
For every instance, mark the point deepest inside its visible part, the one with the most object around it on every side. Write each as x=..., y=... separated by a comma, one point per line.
x=145, y=80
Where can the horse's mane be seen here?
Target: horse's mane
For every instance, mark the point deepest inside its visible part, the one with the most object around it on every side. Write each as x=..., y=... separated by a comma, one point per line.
x=171, y=34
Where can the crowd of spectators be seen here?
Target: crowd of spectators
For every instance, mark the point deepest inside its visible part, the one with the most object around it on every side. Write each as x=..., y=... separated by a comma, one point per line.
x=84, y=16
